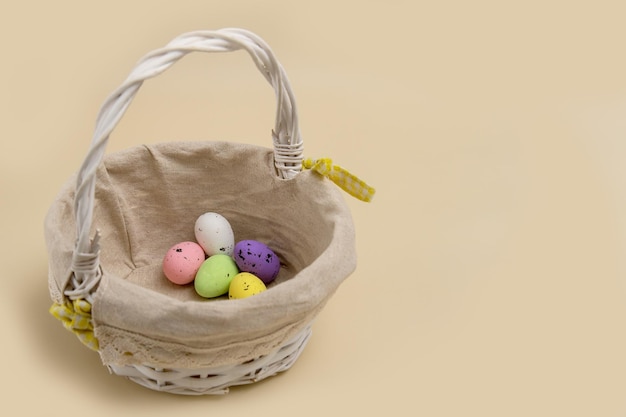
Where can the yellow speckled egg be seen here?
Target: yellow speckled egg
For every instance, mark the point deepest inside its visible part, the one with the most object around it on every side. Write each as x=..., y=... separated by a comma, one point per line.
x=245, y=284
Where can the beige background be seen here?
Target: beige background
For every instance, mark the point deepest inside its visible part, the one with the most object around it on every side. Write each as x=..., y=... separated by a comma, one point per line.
x=491, y=277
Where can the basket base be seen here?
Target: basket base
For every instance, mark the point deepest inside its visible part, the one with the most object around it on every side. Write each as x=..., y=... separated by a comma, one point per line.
x=216, y=380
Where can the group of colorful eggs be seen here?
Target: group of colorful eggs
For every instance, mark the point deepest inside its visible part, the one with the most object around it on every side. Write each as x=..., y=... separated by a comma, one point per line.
x=216, y=265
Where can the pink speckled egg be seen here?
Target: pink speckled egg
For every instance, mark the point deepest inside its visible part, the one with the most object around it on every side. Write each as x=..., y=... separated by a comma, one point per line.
x=182, y=261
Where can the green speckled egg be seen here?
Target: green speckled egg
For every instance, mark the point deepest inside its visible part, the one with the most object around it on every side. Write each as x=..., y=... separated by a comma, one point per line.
x=214, y=276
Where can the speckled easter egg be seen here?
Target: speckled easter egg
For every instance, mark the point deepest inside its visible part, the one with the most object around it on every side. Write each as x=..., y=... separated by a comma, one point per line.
x=182, y=261
x=214, y=233
x=245, y=284
x=214, y=276
x=258, y=259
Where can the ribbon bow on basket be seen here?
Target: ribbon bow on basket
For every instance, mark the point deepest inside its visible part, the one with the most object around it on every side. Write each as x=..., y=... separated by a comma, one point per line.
x=340, y=176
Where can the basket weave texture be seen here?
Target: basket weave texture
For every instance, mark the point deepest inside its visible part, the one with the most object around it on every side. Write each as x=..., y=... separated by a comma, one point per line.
x=112, y=222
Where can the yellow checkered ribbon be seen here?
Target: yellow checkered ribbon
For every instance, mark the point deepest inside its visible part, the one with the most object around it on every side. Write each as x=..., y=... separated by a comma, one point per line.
x=76, y=317
x=348, y=182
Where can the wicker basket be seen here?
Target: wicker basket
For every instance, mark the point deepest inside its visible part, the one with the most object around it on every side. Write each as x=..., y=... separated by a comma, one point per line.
x=109, y=227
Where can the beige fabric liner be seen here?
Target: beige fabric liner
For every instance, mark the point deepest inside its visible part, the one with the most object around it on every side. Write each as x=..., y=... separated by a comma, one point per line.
x=147, y=199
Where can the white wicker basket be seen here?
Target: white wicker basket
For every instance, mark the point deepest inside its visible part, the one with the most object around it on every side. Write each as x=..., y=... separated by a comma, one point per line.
x=81, y=272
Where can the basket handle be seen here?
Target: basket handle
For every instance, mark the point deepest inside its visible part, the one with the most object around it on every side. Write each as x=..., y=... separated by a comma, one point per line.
x=285, y=135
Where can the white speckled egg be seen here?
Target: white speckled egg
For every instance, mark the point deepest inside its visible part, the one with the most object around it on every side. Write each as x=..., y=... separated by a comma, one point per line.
x=215, y=235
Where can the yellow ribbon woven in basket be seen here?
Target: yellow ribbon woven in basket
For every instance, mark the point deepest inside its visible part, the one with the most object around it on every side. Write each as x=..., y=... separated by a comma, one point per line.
x=340, y=176
x=76, y=317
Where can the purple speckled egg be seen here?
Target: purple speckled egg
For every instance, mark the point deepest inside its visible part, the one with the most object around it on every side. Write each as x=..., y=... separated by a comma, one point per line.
x=256, y=258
